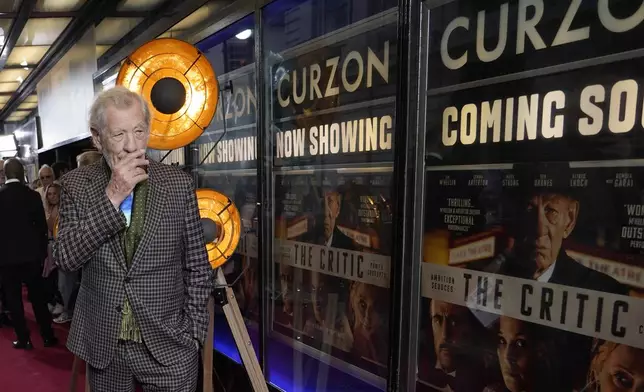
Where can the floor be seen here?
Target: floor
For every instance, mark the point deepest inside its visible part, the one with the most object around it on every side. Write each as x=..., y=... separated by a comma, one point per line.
x=41, y=369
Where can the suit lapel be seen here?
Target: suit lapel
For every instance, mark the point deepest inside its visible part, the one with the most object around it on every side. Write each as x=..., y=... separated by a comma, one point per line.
x=154, y=210
x=99, y=179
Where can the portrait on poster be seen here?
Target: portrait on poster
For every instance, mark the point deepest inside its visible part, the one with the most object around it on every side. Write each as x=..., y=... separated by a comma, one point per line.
x=332, y=263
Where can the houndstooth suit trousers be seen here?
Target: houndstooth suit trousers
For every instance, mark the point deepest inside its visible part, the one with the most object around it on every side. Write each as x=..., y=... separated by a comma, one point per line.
x=133, y=363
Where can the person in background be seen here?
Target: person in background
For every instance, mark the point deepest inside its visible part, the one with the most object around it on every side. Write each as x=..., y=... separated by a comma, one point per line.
x=4, y=316
x=23, y=240
x=35, y=184
x=59, y=168
x=46, y=177
x=88, y=157
x=69, y=282
x=133, y=226
x=55, y=300
x=66, y=280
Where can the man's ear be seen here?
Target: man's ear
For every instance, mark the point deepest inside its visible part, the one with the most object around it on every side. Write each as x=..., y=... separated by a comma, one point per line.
x=96, y=140
x=573, y=212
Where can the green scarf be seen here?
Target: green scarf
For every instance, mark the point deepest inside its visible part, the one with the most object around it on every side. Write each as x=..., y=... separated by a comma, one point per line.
x=129, y=327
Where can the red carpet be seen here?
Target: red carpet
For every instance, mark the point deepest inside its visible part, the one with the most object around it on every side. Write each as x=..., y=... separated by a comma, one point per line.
x=41, y=369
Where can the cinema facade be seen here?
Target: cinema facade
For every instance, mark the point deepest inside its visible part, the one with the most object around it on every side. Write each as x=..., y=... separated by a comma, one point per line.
x=436, y=196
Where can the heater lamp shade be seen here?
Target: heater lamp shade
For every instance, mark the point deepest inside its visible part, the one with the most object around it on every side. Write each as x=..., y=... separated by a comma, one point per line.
x=178, y=82
x=221, y=223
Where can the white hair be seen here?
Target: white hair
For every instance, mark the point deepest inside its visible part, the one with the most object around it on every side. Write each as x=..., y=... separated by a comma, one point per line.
x=45, y=167
x=119, y=97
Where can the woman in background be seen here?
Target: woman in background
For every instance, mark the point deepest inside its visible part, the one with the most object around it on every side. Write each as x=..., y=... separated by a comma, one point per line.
x=52, y=199
x=66, y=280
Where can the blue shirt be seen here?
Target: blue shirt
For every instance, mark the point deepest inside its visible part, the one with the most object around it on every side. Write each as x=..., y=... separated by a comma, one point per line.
x=126, y=208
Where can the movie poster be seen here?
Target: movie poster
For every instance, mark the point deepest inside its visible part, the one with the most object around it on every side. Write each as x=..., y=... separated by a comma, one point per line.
x=332, y=260
x=533, y=263
x=333, y=125
x=524, y=265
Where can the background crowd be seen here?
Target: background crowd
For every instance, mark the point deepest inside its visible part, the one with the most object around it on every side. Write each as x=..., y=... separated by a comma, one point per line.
x=30, y=214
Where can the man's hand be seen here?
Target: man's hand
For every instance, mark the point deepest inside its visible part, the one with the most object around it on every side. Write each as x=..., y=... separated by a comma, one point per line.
x=126, y=173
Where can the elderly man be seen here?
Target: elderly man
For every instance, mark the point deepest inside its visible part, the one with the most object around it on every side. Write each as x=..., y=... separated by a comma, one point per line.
x=46, y=176
x=133, y=225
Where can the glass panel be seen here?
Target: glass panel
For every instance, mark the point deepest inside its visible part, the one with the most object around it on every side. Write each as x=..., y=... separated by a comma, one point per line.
x=331, y=71
x=24, y=55
x=9, y=5
x=13, y=75
x=42, y=31
x=58, y=5
x=101, y=49
x=28, y=105
x=17, y=116
x=227, y=156
x=139, y=5
x=8, y=87
x=533, y=268
x=111, y=30
x=199, y=16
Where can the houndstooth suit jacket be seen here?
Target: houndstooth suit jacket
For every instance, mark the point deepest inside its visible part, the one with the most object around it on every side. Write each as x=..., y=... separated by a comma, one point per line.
x=168, y=283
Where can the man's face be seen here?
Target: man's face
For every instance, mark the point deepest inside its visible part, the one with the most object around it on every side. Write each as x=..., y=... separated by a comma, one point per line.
x=331, y=211
x=126, y=132
x=451, y=329
x=549, y=218
x=46, y=175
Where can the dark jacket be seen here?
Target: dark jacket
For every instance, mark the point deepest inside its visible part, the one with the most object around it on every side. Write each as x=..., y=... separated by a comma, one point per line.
x=23, y=227
x=568, y=272
x=341, y=240
x=571, y=273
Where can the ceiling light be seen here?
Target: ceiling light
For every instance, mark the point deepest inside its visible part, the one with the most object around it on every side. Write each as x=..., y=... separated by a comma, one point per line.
x=19, y=79
x=24, y=63
x=244, y=34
